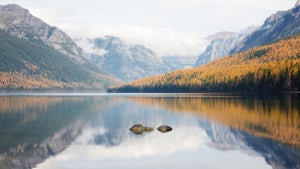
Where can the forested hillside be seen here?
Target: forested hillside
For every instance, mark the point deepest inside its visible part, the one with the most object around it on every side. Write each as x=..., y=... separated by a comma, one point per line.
x=31, y=64
x=274, y=67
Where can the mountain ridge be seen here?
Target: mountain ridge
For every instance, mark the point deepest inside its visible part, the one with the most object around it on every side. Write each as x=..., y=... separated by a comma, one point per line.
x=121, y=59
x=221, y=44
x=282, y=24
x=18, y=22
x=272, y=67
x=36, y=56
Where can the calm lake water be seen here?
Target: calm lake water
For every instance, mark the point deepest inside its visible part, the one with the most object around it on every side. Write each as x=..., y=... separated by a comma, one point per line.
x=91, y=131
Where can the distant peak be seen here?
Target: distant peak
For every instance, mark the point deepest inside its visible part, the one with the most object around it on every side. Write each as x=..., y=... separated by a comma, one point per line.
x=11, y=7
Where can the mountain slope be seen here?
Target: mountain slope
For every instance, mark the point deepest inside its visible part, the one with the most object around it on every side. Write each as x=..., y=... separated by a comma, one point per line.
x=283, y=24
x=125, y=61
x=32, y=64
x=275, y=67
x=221, y=44
x=18, y=22
x=30, y=59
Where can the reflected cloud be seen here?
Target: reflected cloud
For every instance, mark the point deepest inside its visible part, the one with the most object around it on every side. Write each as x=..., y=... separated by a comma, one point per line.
x=93, y=132
x=106, y=142
x=183, y=138
x=88, y=136
x=275, y=118
x=34, y=128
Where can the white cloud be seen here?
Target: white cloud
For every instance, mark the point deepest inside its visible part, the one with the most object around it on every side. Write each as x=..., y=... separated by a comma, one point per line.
x=89, y=47
x=169, y=27
x=163, y=41
x=156, y=143
x=182, y=147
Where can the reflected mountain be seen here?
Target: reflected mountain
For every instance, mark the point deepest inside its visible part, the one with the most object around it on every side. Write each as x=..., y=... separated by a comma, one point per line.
x=34, y=128
x=259, y=124
x=111, y=127
x=279, y=156
x=275, y=118
x=90, y=131
x=108, y=136
x=222, y=138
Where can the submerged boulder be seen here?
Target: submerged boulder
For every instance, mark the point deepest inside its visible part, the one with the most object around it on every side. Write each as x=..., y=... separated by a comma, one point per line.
x=140, y=129
x=164, y=128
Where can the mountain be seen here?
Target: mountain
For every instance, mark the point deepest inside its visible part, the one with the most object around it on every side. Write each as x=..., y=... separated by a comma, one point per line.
x=179, y=62
x=35, y=55
x=221, y=44
x=274, y=67
x=281, y=25
x=123, y=60
x=18, y=22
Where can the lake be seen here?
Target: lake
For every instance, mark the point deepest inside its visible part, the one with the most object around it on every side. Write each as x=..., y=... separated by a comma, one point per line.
x=91, y=131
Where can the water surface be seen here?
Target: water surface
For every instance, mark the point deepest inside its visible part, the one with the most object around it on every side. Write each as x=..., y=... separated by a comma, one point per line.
x=91, y=131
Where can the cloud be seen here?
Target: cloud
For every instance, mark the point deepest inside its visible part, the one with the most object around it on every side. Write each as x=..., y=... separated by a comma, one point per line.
x=182, y=147
x=174, y=29
x=163, y=41
x=89, y=47
x=156, y=143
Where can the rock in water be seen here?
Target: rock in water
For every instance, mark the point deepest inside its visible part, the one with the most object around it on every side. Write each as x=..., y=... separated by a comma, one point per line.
x=148, y=129
x=139, y=129
x=164, y=128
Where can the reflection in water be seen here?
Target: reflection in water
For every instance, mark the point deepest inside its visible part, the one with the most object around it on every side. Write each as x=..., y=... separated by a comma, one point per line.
x=34, y=128
x=107, y=143
x=92, y=132
x=277, y=119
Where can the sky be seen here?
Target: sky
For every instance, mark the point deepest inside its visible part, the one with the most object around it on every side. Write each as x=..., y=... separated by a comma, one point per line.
x=169, y=27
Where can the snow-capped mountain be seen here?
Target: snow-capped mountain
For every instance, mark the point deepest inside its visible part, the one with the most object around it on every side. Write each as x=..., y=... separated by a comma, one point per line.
x=278, y=26
x=123, y=60
x=221, y=44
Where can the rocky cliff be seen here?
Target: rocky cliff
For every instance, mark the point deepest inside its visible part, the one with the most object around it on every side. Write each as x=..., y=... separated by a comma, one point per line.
x=18, y=22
